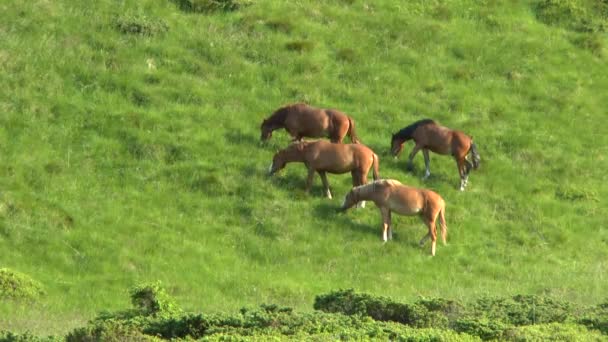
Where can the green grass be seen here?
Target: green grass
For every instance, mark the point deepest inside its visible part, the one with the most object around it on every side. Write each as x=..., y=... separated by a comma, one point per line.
x=131, y=157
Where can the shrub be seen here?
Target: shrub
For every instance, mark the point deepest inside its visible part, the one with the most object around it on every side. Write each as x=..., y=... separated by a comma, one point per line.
x=152, y=299
x=523, y=310
x=139, y=25
x=596, y=318
x=108, y=331
x=207, y=6
x=15, y=285
x=424, y=313
x=552, y=332
x=300, y=46
x=584, y=16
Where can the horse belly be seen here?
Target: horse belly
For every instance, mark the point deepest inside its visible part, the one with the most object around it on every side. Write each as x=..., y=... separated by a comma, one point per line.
x=313, y=125
x=406, y=208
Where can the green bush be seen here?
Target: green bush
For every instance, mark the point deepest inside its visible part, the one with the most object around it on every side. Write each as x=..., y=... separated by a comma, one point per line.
x=108, y=331
x=596, y=318
x=152, y=299
x=15, y=285
x=424, y=313
x=578, y=15
x=139, y=25
x=6, y=336
x=523, y=310
x=552, y=332
x=206, y=6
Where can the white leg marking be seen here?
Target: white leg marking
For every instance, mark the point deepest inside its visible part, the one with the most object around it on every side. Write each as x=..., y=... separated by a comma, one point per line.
x=329, y=194
x=270, y=168
x=384, y=236
x=362, y=204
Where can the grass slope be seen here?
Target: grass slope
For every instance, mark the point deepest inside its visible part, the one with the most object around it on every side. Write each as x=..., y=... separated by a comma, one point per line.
x=129, y=151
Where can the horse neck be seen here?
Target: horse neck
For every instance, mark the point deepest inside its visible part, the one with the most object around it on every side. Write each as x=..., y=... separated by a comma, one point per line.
x=365, y=192
x=277, y=119
x=408, y=132
x=293, y=156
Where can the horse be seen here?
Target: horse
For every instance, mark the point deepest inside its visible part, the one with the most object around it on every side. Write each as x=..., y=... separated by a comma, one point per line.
x=429, y=135
x=323, y=157
x=301, y=120
x=390, y=195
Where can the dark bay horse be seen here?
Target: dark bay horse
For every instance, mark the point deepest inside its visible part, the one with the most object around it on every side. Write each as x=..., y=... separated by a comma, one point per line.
x=429, y=135
x=301, y=120
x=323, y=157
x=390, y=195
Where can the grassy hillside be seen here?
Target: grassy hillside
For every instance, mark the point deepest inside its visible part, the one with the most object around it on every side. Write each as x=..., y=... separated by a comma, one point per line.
x=129, y=150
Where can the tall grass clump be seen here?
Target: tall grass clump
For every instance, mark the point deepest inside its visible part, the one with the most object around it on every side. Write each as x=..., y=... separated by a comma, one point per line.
x=18, y=286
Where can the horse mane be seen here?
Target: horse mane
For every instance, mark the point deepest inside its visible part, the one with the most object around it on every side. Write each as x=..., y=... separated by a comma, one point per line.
x=406, y=133
x=370, y=187
x=280, y=114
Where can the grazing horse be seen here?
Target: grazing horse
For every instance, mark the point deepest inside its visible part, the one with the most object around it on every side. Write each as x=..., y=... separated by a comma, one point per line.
x=390, y=195
x=301, y=120
x=323, y=156
x=429, y=135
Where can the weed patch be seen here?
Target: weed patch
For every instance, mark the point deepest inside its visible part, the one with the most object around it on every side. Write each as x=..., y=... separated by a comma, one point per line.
x=140, y=25
x=18, y=286
x=209, y=6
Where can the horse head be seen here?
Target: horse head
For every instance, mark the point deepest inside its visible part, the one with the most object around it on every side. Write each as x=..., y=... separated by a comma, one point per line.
x=266, y=129
x=350, y=200
x=290, y=154
x=396, y=145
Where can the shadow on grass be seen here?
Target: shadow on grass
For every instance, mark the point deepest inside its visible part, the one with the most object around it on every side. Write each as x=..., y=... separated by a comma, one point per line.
x=329, y=211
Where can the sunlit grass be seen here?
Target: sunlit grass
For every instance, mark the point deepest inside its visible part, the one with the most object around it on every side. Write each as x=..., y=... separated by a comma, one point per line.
x=127, y=158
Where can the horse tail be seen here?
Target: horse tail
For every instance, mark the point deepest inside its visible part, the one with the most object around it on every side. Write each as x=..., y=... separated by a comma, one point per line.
x=351, y=131
x=475, y=154
x=375, y=166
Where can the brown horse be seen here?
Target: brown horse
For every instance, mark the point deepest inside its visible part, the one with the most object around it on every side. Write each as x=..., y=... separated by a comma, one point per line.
x=390, y=195
x=428, y=135
x=301, y=120
x=323, y=156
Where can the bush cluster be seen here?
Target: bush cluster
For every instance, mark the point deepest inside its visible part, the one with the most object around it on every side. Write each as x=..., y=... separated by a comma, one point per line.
x=207, y=6
x=139, y=25
x=18, y=286
x=346, y=315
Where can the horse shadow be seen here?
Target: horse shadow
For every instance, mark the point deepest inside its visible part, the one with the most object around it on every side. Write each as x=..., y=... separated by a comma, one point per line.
x=236, y=136
x=330, y=211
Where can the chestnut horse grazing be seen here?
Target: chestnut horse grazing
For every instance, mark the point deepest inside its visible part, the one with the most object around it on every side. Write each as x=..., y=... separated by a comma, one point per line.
x=301, y=120
x=429, y=135
x=324, y=157
x=390, y=195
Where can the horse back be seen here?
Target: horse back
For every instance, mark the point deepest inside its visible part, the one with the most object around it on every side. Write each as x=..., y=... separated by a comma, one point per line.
x=307, y=120
x=405, y=200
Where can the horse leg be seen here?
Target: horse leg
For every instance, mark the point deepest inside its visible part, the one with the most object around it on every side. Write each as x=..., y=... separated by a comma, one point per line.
x=390, y=225
x=362, y=180
x=410, y=161
x=356, y=182
x=467, y=169
x=427, y=163
x=325, y=183
x=385, y=223
x=423, y=240
x=432, y=233
x=311, y=175
x=460, y=165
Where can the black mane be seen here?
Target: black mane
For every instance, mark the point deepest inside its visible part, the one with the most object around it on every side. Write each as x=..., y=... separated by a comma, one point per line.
x=406, y=133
